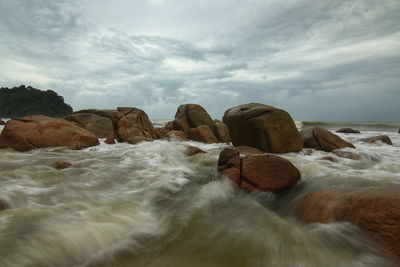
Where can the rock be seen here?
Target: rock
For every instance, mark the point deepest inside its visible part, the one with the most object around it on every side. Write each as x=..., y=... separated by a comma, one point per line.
x=347, y=154
x=248, y=150
x=2, y=122
x=308, y=151
x=263, y=172
x=328, y=158
x=110, y=140
x=100, y=126
x=190, y=116
x=348, y=130
x=161, y=132
x=202, y=133
x=221, y=131
x=3, y=204
x=321, y=139
x=374, y=210
x=169, y=126
x=39, y=131
x=135, y=126
x=60, y=164
x=382, y=138
x=193, y=150
x=176, y=135
x=264, y=127
x=113, y=115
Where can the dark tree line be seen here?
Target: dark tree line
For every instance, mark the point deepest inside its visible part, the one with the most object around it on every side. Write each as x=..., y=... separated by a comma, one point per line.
x=21, y=101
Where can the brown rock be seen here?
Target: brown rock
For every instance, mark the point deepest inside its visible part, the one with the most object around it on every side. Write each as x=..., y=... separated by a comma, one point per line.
x=263, y=172
x=321, y=139
x=264, y=127
x=2, y=122
x=3, y=204
x=202, y=133
x=248, y=150
x=113, y=115
x=176, y=135
x=193, y=150
x=100, y=126
x=135, y=126
x=221, y=131
x=328, y=158
x=269, y=172
x=347, y=130
x=374, y=210
x=169, y=126
x=382, y=138
x=39, y=131
x=161, y=132
x=347, y=154
x=190, y=116
x=110, y=140
x=308, y=151
x=60, y=164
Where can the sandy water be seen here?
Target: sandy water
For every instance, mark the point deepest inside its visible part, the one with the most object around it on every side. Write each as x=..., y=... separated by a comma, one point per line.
x=151, y=205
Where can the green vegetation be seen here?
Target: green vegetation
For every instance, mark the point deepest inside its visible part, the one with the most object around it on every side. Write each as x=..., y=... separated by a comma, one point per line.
x=21, y=101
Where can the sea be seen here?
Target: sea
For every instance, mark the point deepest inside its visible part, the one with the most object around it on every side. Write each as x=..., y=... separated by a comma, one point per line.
x=151, y=205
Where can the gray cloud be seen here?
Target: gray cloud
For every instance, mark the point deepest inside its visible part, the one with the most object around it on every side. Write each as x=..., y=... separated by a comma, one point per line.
x=320, y=60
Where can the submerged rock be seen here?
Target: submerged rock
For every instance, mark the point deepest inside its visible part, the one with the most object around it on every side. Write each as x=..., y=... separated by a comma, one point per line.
x=375, y=210
x=321, y=139
x=39, y=131
x=382, y=138
x=347, y=154
x=348, y=130
x=264, y=127
x=3, y=204
x=264, y=172
x=60, y=164
x=100, y=126
x=193, y=150
x=328, y=158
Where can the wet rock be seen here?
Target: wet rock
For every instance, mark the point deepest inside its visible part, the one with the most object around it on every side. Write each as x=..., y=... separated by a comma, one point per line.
x=328, y=158
x=100, y=126
x=347, y=154
x=348, y=130
x=2, y=122
x=3, y=204
x=169, y=126
x=113, y=115
x=39, y=131
x=308, y=151
x=176, y=135
x=110, y=140
x=221, y=131
x=248, y=150
x=374, y=210
x=263, y=172
x=194, y=150
x=382, y=138
x=60, y=164
x=190, y=116
x=161, y=132
x=135, y=126
x=202, y=133
x=264, y=127
x=321, y=139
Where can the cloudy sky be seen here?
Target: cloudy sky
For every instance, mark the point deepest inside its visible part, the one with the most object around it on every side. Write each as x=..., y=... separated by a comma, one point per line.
x=335, y=60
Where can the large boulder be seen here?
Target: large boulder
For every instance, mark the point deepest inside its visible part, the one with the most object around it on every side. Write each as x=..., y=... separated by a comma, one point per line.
x=264, y=127
x=221, y=131
x=202, y=133
x=39, y=131
x=135, y=126
x=100, y=126
x=321, y=139
x=190, y=116
x=264, y=172
x=112, y=114
x=382, y=138
x=376, y=211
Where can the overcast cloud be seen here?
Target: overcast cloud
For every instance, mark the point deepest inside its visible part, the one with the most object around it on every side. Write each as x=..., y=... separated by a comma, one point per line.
x=319, y=60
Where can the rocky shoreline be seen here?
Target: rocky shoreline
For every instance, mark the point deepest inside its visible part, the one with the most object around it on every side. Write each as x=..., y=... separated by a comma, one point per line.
x=257, y=132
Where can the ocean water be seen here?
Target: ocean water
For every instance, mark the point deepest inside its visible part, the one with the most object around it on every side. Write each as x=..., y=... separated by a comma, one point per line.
x=151, y=205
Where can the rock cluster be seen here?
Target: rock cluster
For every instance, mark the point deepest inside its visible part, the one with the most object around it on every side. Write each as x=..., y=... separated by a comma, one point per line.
x=257, y=172
x=374, y=210
x=264, y=127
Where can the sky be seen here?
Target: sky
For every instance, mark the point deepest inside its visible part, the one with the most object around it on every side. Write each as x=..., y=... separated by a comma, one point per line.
x=335, y=60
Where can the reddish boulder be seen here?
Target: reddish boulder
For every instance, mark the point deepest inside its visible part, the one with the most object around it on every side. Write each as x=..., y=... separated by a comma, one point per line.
x=193, y=150
x=202, y=133
x=221, y=131
x=264, y=127
x=382, y=138
x=348, y=130
x=190, y=116
x=374, y=210
x=263, y=172
x=113, y=115
x=161, y=132
x=135, y=126
x=110, y=140
x=321, y=139
x=100, y=126
x=39, y=131
x=248, y=150
x=60, y=164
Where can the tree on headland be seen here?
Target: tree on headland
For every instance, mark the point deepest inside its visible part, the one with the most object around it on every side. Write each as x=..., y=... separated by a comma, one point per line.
x=26, y=100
